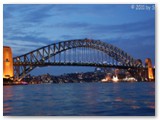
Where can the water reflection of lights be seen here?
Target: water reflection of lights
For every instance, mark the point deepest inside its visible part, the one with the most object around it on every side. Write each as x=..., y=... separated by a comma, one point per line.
x=118, y=99
x=7, y=95
x=150, y=105
x=135, y=107
x=7, y=108
x=130, y=101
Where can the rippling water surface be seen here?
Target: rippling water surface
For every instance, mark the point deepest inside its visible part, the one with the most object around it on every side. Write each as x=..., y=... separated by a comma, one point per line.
x=98, y=99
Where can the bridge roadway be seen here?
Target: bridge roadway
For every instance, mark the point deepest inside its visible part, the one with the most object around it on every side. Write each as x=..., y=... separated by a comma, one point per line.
x=43, y=64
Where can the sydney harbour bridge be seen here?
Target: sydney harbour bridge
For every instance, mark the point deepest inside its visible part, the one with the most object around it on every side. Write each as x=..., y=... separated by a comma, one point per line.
x=79, y=52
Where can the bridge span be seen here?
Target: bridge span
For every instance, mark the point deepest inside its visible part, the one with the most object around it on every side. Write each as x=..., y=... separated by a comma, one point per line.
x=79, y=52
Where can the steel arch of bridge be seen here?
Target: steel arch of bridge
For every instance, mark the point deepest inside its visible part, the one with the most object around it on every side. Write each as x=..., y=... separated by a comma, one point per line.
x=25, y=63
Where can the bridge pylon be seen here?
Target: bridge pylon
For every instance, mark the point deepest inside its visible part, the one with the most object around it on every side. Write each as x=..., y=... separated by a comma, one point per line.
x=8, y=72
x=148, y=64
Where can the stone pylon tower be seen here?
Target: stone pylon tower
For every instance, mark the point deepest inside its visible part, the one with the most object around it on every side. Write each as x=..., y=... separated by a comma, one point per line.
x=7, y=63
x=148, y=63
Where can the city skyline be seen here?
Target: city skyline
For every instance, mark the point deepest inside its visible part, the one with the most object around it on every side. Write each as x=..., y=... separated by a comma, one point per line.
x=28, y=27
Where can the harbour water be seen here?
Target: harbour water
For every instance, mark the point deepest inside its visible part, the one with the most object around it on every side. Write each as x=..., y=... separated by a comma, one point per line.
x=80, y=99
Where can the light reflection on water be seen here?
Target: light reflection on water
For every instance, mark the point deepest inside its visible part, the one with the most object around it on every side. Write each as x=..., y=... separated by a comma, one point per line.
x=109, y=99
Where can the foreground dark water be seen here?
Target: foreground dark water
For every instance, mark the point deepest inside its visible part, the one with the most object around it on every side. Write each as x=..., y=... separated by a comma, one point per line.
x=97, y=99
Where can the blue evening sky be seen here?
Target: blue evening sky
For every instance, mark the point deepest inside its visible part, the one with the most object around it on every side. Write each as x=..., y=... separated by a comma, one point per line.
x=30, y=26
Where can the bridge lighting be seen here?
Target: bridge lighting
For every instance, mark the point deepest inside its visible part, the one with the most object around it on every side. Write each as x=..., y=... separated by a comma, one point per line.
x=18, y=59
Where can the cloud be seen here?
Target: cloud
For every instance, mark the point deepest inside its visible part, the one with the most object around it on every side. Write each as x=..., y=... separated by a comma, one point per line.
x=31, y=38
x=20, y=47
x=125, y=28
x=11, y=11
x=138, y=46
x=71, y=25
x=66, y=37
x=31, y=13
x=22, y=44
x=37, y=15
x=147, y=25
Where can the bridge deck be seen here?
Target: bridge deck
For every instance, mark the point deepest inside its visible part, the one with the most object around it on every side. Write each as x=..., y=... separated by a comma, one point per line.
x=42, y=64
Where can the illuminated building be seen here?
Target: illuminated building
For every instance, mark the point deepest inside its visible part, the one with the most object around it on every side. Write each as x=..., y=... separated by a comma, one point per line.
x=116, y=74
x=7, y=62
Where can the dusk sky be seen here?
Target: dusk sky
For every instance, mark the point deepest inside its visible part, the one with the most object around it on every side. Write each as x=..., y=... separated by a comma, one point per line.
x=28, y=27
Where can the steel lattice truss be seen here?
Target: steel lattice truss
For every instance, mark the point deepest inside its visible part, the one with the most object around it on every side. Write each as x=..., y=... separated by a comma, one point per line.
x=42, y=56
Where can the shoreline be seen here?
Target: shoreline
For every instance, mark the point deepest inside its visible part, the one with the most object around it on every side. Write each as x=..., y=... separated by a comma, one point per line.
x=14, y=84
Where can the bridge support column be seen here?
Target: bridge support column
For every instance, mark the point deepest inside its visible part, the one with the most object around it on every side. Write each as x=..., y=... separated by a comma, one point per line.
x=8, y=72
x=148, y=63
